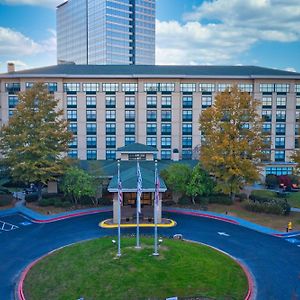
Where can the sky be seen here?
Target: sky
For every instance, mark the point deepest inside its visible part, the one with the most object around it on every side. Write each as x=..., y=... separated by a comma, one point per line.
x=188, y=32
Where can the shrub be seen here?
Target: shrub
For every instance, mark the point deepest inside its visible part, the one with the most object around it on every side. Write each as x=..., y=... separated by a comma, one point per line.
x=274, y=206
x=5, y=200
x=271, y=181
x=46, y=202
x=31, y=197
x=105, y=201
x=184, y=200
x=169, y=203
x=220, y=199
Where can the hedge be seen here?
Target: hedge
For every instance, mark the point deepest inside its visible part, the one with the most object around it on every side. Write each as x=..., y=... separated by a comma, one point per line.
x=273, y=206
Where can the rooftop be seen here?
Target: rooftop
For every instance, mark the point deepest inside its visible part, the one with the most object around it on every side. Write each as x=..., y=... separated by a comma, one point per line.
x=137, y=148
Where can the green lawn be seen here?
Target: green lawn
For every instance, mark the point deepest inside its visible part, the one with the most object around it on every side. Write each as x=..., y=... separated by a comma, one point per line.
x=91, y=270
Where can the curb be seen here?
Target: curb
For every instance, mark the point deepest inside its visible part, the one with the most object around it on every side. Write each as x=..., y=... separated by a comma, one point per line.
x=132, y=225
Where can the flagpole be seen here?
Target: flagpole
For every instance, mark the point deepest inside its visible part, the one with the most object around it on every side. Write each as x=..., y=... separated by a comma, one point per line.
x=138, y=200
x=119, y=211
x=156, y=195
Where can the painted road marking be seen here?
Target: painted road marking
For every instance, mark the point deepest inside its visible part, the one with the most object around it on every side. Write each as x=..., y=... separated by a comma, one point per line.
x=4, y=226
x=25, y=223
x=293, y=241
x=223, y=233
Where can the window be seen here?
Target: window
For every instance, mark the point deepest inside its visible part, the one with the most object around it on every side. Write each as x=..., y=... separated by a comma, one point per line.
x=72, y=115
x=151, y=141
x=29, y=85
x=297, y=88
x=282, y=88
x=187, y=154
x=266, y=127
x=151, y=101
x=224, y=86
x=207, y=87
x=267, y=102
x=130, y=128
x=110, y=115
x=166, y=142
x=129, y=87
x=110, y=101
x=151, y=128
x=297, y=102
x=279, y=170
x=91, y=142
x=13, y=101
x=297, y=115
x=110, y=142
x=91, y=101
x=187, y=102
x=165, y=154
x=280, y=116
x=187, y=116
x=166, y=101
x=10, y=113
x=280, y=142
x=266, y=87
x=71, y=101
x=267, y=115
x=267, y=142
x=206, y=101
x=187, y=129
x=187, y=142
x=110, y=87
x=166, y=115
x=73, y=143
x=110, y=128
x=91, y=154
x=110, y=154
x=280, y=129
x=281, y=102
x=151, y=115
x=12, y=88
x=91, y=115
x=151, y=87
x=129, y=101
x=297, y=129
x=72, y=127
x=297, y=144
x=129, y=140
x=91, y=128
x=73, y=154
x=188, y=87
x=129, y=115
x=166, y=129
x=279, y=155
x=266, y=155
x=245, y=87
x=167, y=87
x=52, y=87
x=90, y=87
x=71, y=87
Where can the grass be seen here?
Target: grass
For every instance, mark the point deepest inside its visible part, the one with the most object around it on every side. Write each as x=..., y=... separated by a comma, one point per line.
x=91, y=270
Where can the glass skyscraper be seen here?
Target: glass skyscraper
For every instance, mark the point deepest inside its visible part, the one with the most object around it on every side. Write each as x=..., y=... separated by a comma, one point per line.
x=106, y=32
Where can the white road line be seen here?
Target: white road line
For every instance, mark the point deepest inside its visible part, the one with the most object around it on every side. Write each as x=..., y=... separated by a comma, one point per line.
x=4, y=226
x=223, y=233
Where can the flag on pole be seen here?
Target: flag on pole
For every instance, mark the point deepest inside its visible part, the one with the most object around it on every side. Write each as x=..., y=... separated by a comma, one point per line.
x=120, y=193
x=139, y=187
x=157, y=187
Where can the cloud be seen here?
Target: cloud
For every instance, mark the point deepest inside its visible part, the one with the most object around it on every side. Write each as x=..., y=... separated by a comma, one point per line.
x=290, y=69
x=47, y=3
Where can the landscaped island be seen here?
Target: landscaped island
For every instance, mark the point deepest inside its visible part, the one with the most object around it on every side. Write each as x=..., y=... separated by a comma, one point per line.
x=91, y=270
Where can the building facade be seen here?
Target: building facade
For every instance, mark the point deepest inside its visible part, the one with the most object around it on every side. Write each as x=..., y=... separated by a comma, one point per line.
x=106, y=32
x=111, y=106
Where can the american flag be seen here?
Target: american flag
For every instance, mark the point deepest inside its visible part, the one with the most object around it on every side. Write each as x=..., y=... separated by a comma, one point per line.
x=120, y=193
x=139, y=187
x=157, y=187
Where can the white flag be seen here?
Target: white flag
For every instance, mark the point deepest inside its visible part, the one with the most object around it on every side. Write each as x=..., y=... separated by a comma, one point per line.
x=139, y=187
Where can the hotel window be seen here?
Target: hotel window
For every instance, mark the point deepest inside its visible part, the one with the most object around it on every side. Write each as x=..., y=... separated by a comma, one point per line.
x=280, y=116
x=167, y=87
x=110, y=87
x=91, y=128
x=296, y=143
x=90, y=87
x=165, y=154
x=245, y=87
x=72, y=115
x=73, y=154
x=130, y=115
x=166, y=115
x=267, y=115
x=281, y=102
x=166, y=129
x=72, y=127
x=282, y=88
x=151, y=128
x=29, y=85
x=52, y=87
x=266, y=87
x=297, y=129
x=91, y=101
x=71, y=87
x=279, y=155
x=279, y=142
x=224, y=86
x=151, y=87
x=280, y=129
x=110, y=142
x=151, y=101
x=207, y=87
x=91, y=154
x=91, y=142
x=129, y=140
x=129, y=101
x=91, y=115
x=71, y=102
x=110, y=101
x=166, y=101
x=297, y=88
x=12, y=88
x=187, y=154
x=151, y=141
x=297, y=102
x=13, y=101
x=110, y=128
x=187, y=102
x=206, y=101
x=267, y=141
x=110, y=115
x=266, y=128
x=129, y=87
x=166, y=142
x=279, y=170
x=187, y=129
x=10, y=113
x=267, y=102
x=187, y=142
x=266, y=155
x=151, y=115
x=73, y=142
x=297, y=116
x=187, y=115
x=111, y=154
x=130, y=128
x=188, y=87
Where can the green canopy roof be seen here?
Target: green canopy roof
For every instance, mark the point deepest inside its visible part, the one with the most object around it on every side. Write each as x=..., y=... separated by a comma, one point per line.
x=137, y=148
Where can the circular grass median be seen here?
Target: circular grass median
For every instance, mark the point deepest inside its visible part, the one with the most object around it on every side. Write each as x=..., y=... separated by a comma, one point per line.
x=91, y=270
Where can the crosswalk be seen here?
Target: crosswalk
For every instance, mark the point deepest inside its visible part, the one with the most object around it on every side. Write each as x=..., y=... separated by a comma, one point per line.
x=5, y=226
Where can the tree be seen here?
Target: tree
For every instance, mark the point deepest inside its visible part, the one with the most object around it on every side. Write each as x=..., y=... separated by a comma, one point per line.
x=200, y=183
x=77, y=183
x=35, y=139
x=231, y=149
